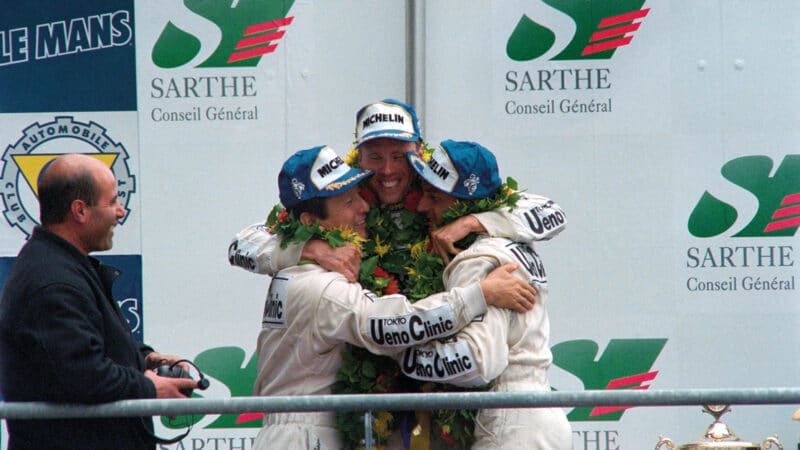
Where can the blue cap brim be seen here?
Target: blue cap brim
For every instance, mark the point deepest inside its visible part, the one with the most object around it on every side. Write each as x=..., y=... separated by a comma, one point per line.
x=422, y=169
x=345, y=182
x=396, y=135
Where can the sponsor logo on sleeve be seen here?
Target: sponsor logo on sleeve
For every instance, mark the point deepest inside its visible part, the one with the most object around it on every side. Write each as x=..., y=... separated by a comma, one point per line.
x=401, y=331
x=441, y=362
x=275, y=304
x=241, y=253
x=545, y=218
x=529, y=260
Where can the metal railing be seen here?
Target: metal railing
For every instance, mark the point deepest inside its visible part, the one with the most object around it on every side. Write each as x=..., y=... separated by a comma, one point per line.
x=461, y=400
x=373, y=402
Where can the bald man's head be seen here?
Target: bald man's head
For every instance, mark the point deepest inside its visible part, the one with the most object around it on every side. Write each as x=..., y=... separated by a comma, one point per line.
x=65, y=179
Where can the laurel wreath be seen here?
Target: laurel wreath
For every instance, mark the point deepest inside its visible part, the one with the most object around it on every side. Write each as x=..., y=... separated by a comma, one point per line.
x=396, y=259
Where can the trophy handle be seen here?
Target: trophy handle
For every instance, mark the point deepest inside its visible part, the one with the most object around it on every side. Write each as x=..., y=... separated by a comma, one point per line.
x=769, y=441
x=666, y=441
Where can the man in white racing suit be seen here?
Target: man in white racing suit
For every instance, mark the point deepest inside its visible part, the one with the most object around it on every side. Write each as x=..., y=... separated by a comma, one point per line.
x=310, y=314
x=510, y=350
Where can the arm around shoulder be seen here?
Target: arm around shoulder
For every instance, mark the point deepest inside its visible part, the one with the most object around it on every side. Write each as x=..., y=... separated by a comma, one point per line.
x=256, y=250
x=389, y=324
x=534, y=218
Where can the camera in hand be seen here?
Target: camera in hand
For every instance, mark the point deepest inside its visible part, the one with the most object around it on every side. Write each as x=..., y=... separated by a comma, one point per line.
x=175, y=371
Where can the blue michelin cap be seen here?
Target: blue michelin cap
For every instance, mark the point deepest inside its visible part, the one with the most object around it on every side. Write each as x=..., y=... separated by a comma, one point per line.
x=316, y=172
x=465, y=170
x=389, y=118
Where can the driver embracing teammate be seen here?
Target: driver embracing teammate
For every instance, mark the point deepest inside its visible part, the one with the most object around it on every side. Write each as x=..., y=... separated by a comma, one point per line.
x=386, y=132
x=509, y=350
x=311, y=314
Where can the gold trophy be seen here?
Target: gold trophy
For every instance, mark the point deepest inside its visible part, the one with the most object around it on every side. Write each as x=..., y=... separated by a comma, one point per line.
x=719, y=436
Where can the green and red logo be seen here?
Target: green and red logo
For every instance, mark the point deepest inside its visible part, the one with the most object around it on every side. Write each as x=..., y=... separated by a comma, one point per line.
x=778, y=196
x=249, y=29
x=225, y=365
x=624, y=364
x=600, y=28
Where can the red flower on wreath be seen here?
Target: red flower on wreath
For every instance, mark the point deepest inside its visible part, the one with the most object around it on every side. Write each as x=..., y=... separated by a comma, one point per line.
x=392, y=287
x=448, y=438
x=368, y=196
x=411, y=201
x=386, y=384
x=283, y=216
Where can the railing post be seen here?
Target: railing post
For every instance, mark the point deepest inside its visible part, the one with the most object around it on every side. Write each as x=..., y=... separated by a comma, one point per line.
x=368, y=430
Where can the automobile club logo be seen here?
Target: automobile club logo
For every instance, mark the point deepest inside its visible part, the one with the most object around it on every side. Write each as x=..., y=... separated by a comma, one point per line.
x=41, y=143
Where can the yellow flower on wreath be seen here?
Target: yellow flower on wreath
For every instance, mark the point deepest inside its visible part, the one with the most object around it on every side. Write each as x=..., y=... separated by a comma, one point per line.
x=351, y=158
x=427, y=151
x=291, y=229
x=351, y=236
x=381, y=425
x=381, y=248
x=418, y=248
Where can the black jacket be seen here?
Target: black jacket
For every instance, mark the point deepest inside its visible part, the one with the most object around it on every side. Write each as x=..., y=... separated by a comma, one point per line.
x=63, y=339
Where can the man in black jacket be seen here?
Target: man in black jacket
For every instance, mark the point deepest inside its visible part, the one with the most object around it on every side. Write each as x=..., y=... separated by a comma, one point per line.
x=62, y=336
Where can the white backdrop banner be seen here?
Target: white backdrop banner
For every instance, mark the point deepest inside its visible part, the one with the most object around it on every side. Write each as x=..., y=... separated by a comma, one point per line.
x=667, y=130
